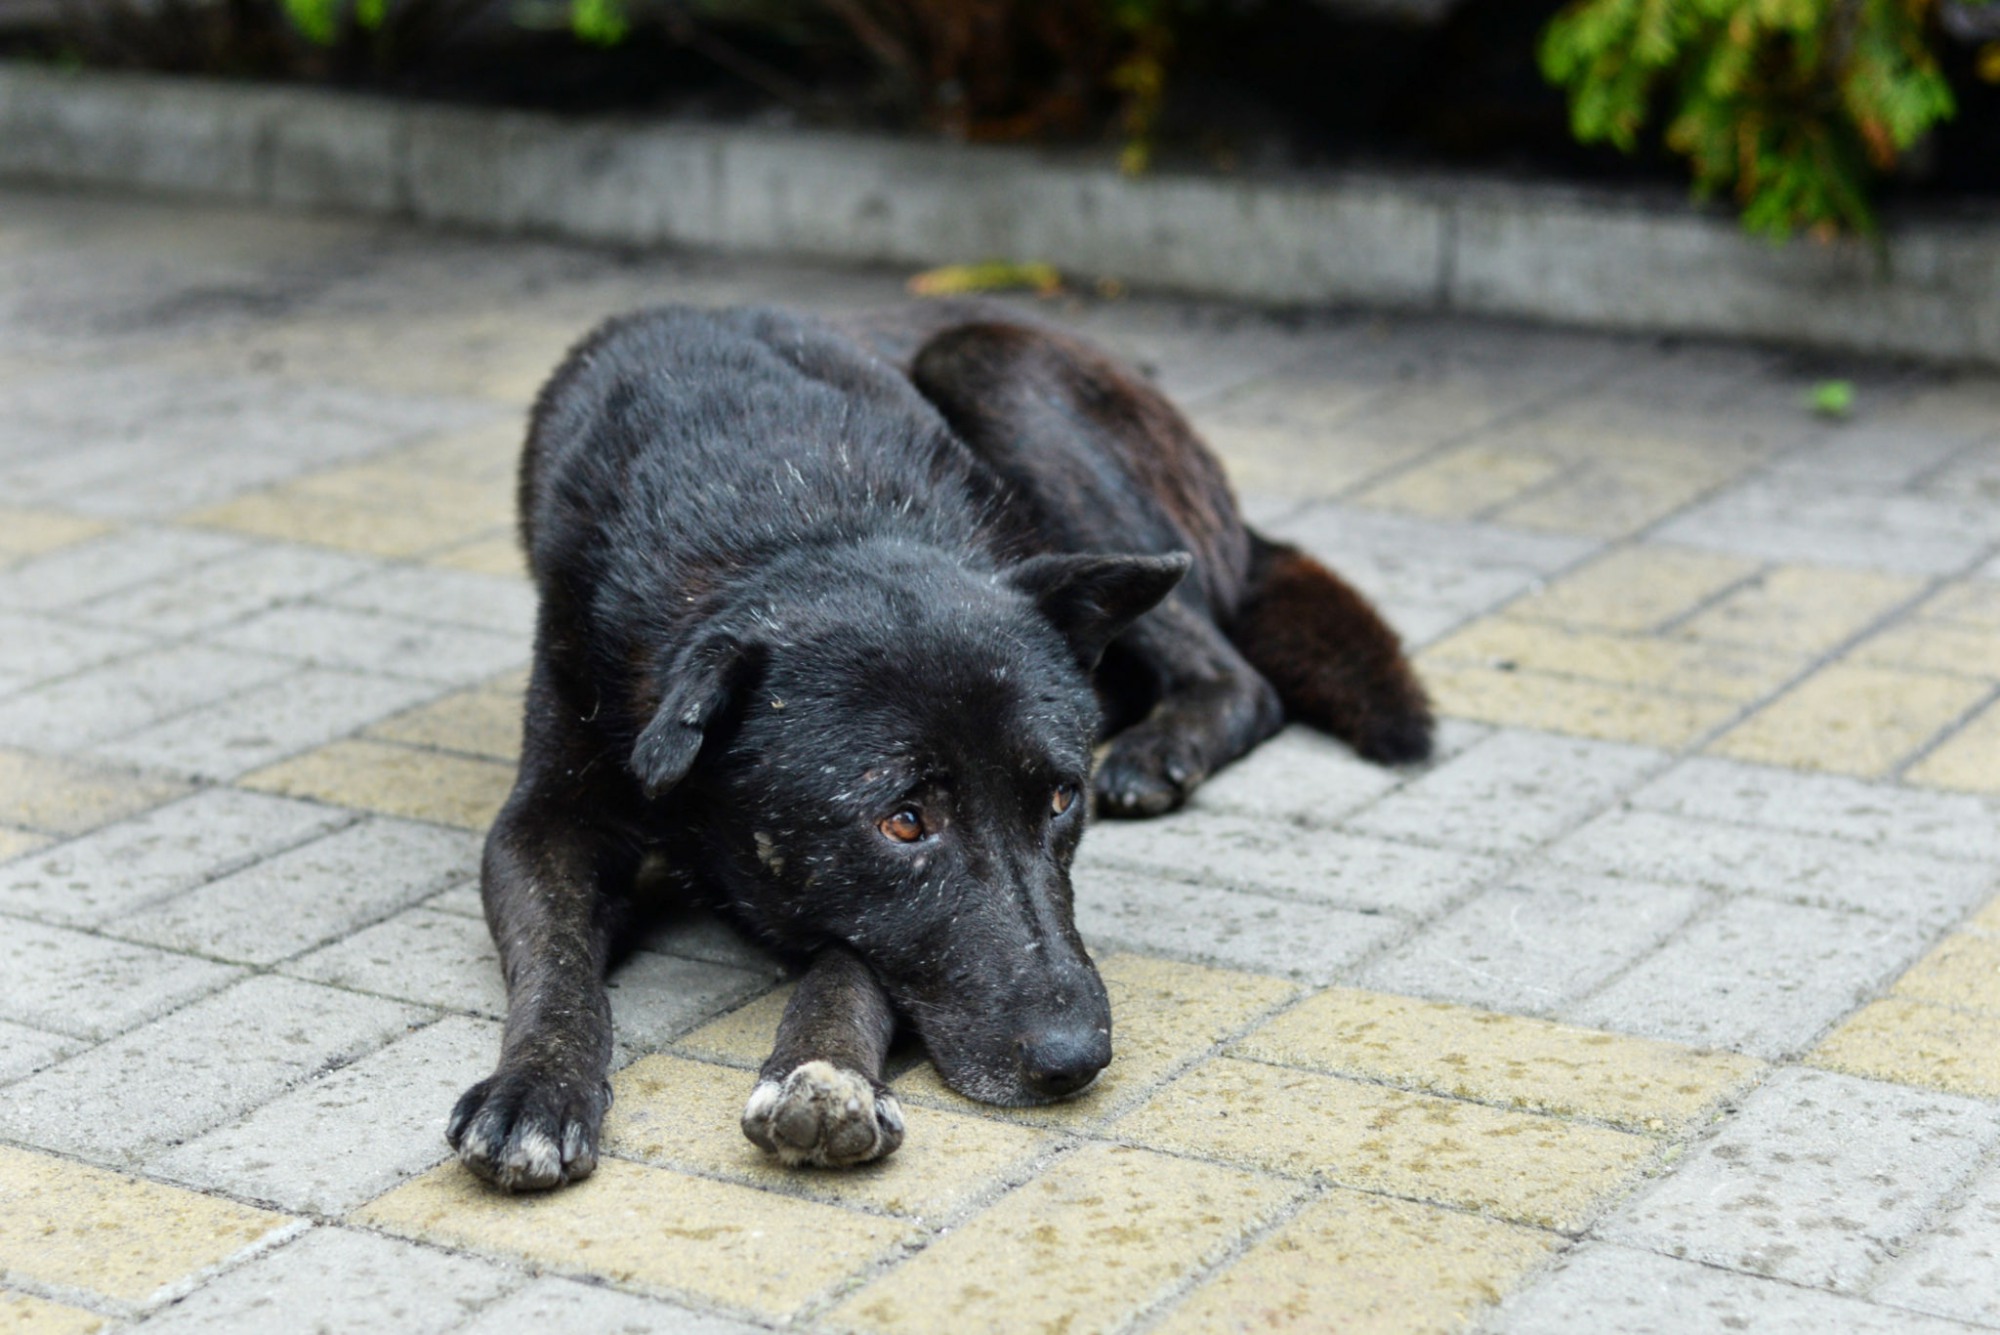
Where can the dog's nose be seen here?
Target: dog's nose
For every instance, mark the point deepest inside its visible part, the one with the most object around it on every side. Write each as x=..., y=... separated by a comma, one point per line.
x=1056, y=1062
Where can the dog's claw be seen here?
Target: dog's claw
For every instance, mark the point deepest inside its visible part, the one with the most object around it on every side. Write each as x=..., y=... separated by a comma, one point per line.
x=526, y=1132
x=820, y=1114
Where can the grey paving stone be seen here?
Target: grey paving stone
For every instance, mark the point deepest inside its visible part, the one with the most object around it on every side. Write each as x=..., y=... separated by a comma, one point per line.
x=1337, y=528
x=1297, y=775
x=1821, y=521
x=1903, y=884
x=1954, y=1268
x=24, y=1050
x=332, y=1281
x=551, y=1304
x=308, y=895
x=1881, y=455
x=205, y=1064
x=1952, y=825
x=349, y=1135
x=1816, y=1179
x=1356, y=871
x=1134, y=910
x=34, y=647
x=226, y=590
x=297, y=712
x=697, y=936
x=370, y=642
x=129, y=694
x=106, y=564
x=1510, y=792
x=657, y=998
x=115, y=870
x=1540, y=939
x=88, y=987
x=1756, y=976
x=1600, y=1289
x=490, y=602
x=435, y=959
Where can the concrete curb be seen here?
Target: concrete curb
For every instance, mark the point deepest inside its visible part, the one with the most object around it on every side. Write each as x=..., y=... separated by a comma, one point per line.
x=1606, y=259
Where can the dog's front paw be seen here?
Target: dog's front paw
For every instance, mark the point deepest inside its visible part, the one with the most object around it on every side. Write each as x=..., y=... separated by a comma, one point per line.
x=820, y=1114
x=1146, y=772
x=527, y=1132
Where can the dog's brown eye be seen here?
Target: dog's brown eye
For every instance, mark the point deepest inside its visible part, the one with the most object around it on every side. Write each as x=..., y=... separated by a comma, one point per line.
x=1061, y=798
x=905, y=827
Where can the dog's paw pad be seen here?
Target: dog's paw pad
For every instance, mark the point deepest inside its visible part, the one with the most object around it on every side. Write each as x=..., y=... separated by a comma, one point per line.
x=528, y=1133
x=820, y=1114
x=1145, y=773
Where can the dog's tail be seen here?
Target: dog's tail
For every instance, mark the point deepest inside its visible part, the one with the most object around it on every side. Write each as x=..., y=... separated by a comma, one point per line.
x=1334, y=661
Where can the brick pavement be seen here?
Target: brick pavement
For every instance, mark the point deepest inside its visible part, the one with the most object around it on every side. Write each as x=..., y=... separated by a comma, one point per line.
x=1668, y=997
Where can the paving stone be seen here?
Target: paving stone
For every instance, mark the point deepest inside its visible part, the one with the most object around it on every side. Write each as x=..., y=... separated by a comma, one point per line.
x=1614, y=497
x=394, y=780
x=1755, y=976
x=23, y=1312
x=1851, y=719
x=115, y=1238
x=1809, y=868
x=1297, y=775
x=24, y=1051
x=565, y=1305
x=1645, y=663
x=1371, y=1263
x=372, y=642
x=685, y=1114
x=172, y=1079
x=1513, y=698
x=1635, y=588
x=657, y=998
x=1249, y=853
x=1541, y=939
x=1705, y=788
x=1801, y=609
x=1816, y=1179
x=1513, y=1165
x=225, y=590
x=1826, y=522
x=1296, y=938
x=1971, y=602
x=1606, y=1290
x=1962, y=973
x=1462, y=483
x=503, y=606
x=432, y=959
x=1953, y=1270
x=1934, y=646
x=1500, y=1059
x=20, y=843
x=333, y=1280
x=1912, y=1042
x=729, y=1244
x=1509, y=792
x=34, y=647
x=484, y=721
x=25, y=533
x=58, y=795
x=129, y=694
x=87, y=987
x=102, y=565
x=310, y=894
x=381, y=508
x=499, y=553
x=1965, y=760
x=1084, y=1247
x=306, y=708
x=106, y=875
x=695, y=935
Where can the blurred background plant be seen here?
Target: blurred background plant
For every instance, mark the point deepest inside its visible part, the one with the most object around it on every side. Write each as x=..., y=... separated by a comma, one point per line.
x=1806, y=113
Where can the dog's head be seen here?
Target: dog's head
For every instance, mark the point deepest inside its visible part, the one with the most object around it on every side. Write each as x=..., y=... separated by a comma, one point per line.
x=898, y=762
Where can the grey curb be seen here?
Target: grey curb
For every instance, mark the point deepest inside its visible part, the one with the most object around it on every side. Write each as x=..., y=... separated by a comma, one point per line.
x=1606, y=259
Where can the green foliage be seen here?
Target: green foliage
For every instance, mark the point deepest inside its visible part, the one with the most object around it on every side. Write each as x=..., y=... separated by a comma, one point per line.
x=598, y=22
x=1794, y=106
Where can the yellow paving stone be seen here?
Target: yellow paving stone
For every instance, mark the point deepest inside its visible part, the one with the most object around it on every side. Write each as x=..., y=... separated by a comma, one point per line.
x=1963, y=973
x=1972, y=602
x=1519, y=1166
x=1685, y=667
x=1306, y=464
x=1462, y=483
x=1801, y=609
x=1084, y=1247
x=384, y=507
x=498, y=553
x=1935, y=646
x=1635, y=588
x=26, y=533
x=1361, y=1264
x=23, y=1314
x=1559, y=704
x=680, y=1113
x=72, y=1226
x=50, y=795
x=1608, y=497
x=1441, y=1048
x=484, y=721
x=488, y=452
x=744, y=1036
x=1163, y=1014
x=1910, y=1042
x=13, y=843
x=650, y=1228
x=397, y=780
x=1986, y=920
x=1968, y=760
x=1851, y=719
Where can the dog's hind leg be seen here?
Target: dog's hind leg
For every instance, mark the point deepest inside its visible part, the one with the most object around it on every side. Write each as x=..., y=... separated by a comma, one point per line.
x=820, y=1097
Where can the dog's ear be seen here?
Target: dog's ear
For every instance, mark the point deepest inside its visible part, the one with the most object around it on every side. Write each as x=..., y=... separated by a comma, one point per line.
x=698, y=684
x=1091, y=599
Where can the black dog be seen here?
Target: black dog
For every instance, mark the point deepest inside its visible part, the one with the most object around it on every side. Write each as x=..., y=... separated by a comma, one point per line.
x=820, y=612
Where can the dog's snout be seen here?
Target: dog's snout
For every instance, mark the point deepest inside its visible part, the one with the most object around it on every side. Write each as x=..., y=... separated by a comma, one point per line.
x=1055, y=1062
